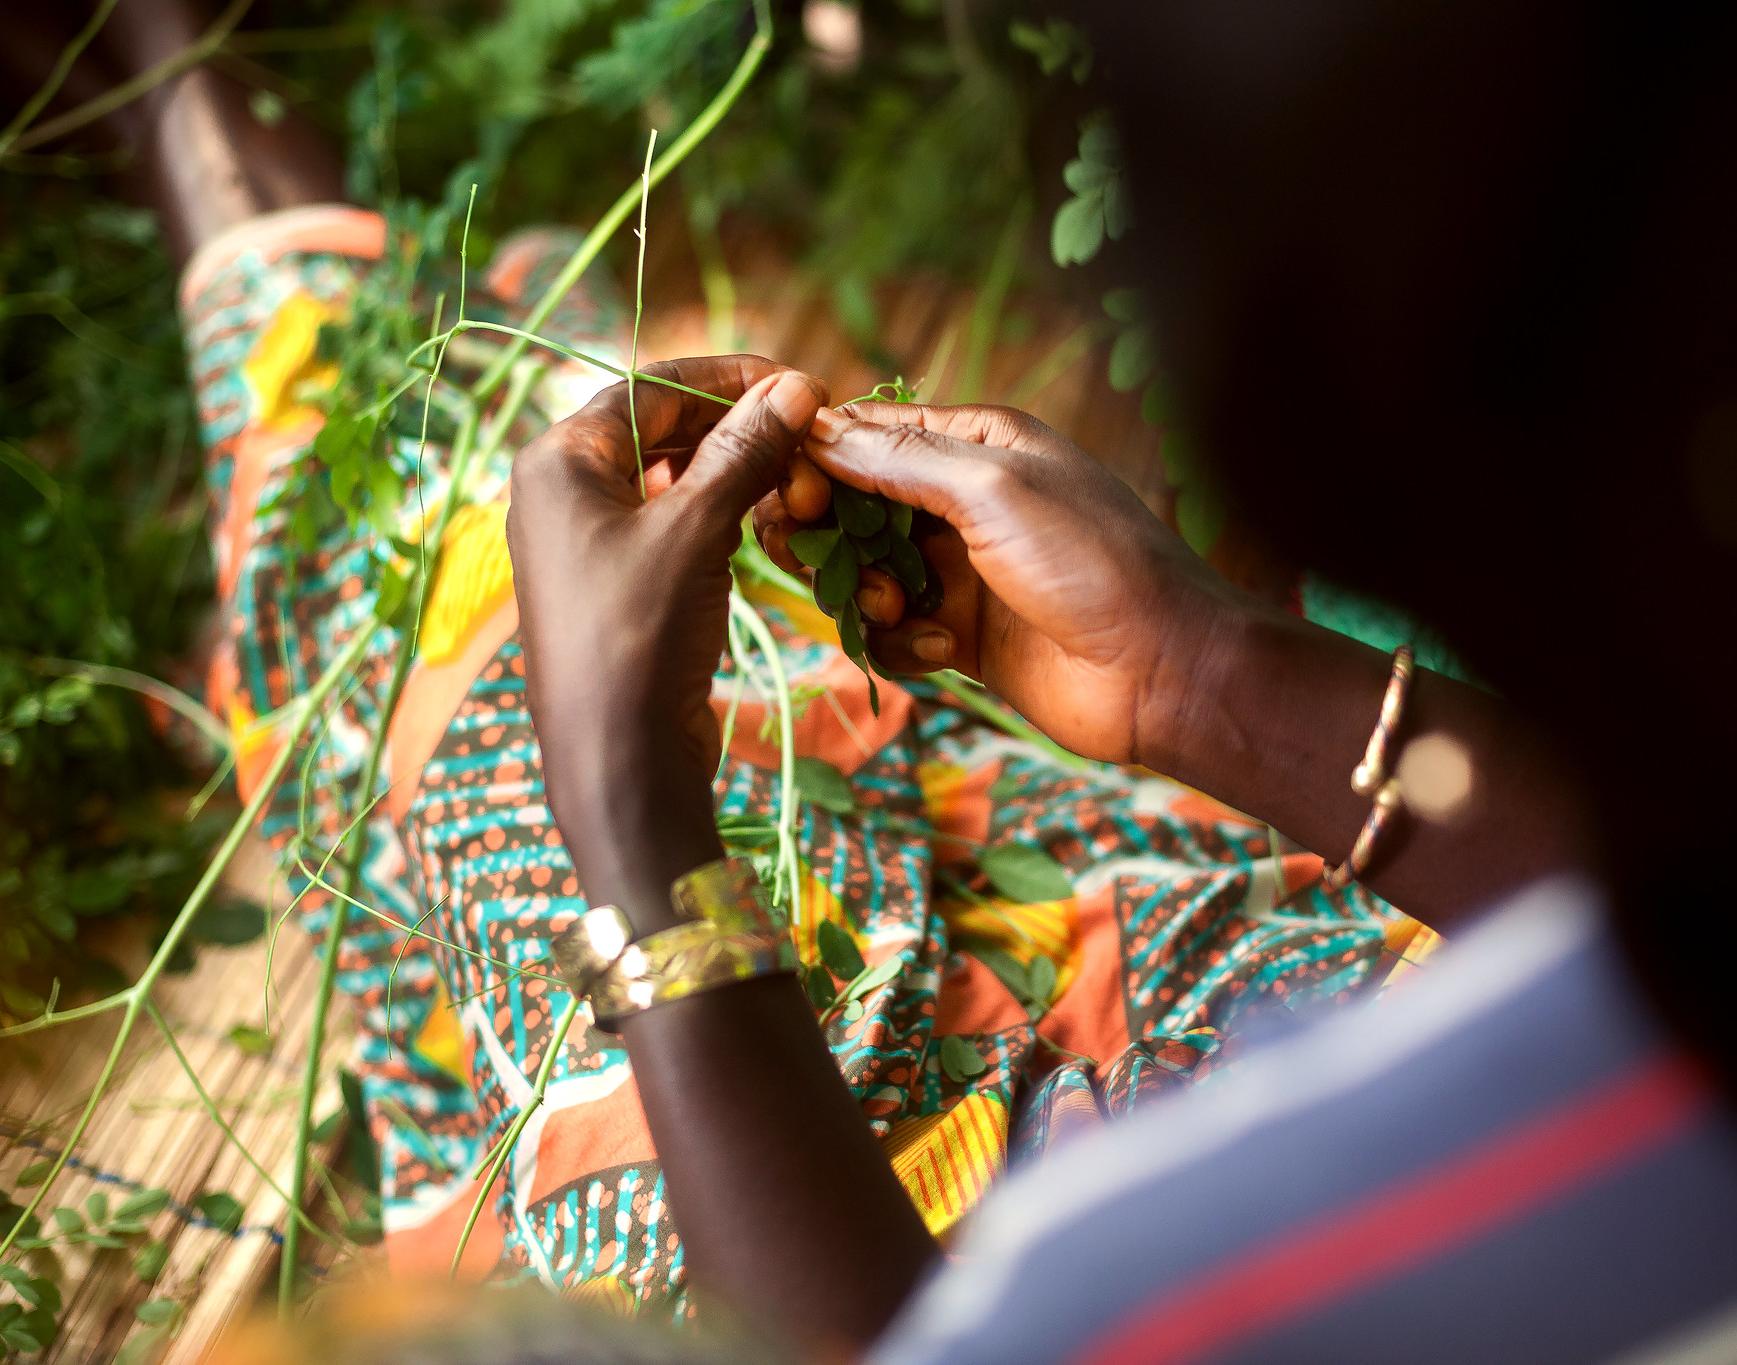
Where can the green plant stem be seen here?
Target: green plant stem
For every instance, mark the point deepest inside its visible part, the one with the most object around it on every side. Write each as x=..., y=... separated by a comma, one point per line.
x=691, y=136
x=128, y=91
x=136, y=995
x=980, y=702
x=172, y=697
x=639, y=313
x=1054, y=363
x=991, y=299
x=504, y=1148
x=63, y=65
x=788, y=858
x=216, y=1114
x=532, y=339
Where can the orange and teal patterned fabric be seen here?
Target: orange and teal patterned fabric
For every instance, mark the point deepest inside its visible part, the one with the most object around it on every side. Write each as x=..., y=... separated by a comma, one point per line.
x=1170, y=942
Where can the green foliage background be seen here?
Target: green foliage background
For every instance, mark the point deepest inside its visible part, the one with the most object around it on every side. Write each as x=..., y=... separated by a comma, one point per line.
x=912, y=158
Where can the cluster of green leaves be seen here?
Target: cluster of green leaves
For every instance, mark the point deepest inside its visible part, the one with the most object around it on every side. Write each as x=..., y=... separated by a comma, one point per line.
x=103, y=543
x=1099, y=205
x=30, y=1314
x=865, y=530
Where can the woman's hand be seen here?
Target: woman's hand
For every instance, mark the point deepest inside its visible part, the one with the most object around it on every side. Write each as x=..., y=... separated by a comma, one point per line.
x=1063, y=593
x=623, y=605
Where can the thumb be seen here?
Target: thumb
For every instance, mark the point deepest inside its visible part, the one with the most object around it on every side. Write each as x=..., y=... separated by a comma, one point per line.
x=742, y=458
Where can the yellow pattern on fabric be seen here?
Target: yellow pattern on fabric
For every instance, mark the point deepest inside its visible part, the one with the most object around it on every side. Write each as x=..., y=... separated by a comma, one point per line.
x=285, y=362
x=947, y=1161
x=818, y=903
x=1028, y=931
x=441, y=1041
x=475, y=577
x=605, y=1293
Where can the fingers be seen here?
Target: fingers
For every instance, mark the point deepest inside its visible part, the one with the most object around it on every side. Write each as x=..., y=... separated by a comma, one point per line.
x=742, y=458
x=880, y=596
x=909, y=462
x=805, y=491
x=919, y=645
x=979, y=423
x=598, y=439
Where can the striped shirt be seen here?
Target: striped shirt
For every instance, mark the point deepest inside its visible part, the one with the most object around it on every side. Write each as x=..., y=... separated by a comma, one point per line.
x=1508, y=1160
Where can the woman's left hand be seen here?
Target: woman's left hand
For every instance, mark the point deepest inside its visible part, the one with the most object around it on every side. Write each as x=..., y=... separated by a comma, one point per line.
x=623, y=606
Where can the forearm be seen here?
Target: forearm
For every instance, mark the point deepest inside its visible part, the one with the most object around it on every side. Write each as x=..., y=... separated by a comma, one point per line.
x=790, y=1212
x=1282, y=716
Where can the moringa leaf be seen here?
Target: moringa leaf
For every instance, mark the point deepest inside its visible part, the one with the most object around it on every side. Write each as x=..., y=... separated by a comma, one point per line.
x=224, y=1210
x=871, y=980
x=1024, y=873
x=899, y=516
x=960, y=1060
x=825, y=786
x=859, y=513
x=813, y=547
x=839, y=951
x=905, y=562
x=143, y=1204
x=149, y=1260
x=1042, y=978
x=817, y=982
x=836, y=580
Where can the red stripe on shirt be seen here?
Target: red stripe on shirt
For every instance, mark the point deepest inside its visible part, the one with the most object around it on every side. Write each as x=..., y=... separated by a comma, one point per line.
x=1431, y=1211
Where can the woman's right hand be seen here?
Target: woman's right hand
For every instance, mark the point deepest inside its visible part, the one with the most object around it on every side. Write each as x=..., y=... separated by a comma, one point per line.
x=1063, y=593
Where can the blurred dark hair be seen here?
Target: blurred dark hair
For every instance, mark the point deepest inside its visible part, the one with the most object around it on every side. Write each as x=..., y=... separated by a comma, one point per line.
x=1448, y=294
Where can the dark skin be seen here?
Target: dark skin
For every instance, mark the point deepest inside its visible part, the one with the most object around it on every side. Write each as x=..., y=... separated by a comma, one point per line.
x=1063, y=594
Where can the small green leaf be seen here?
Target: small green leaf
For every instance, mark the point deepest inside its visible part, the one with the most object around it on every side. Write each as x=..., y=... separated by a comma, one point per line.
x=850, y=632
x=817, y=981
x=96, y=1208
x=327, y=1128
x=229, y=923
x=859, y=513
x=1023, y=873
x=838, y=950
x=871, y=980
x=143, y=1204
x=813, y=547
x=1006, y=787
x=852, y=1011
x=68, y=1220
x=35, y=1173
x=1133, y=357
x=1124, y=305
x=251, y=1039
x=960, y=1060
x=836, y=580
x=899, y=516
x=905, y=562
x=1078, y=230
x=1011, y=971
x=824, y=785
x=224, y=1210
x=1042, y=976
x=156, y=1312
x=149, y=1260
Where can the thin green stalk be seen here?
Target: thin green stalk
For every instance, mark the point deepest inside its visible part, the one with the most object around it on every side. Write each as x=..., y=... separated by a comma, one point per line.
x=991, y=299
x=172, y=697
x=691, y=136
x=788, y=805
x=559, y=348
x=216, y=1114
x=639, y=313
x=136, y=995
x=1054, y=363
x=63, y=65
x=975, y=699
x=128, y=91
x=504, y=1148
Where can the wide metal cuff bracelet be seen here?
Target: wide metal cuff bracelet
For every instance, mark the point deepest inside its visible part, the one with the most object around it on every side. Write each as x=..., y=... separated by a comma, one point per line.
x=684, y=960
x=589, y=946
x=727, y=893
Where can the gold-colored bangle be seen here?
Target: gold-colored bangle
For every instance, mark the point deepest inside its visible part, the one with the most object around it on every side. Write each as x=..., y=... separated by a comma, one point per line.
x=727, y=893
x=1369, y=775
x=1388, y=804
x=684, y=960
x=589, y=947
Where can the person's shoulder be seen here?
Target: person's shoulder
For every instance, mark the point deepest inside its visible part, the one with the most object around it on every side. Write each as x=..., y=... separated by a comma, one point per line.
x=1318, y=1157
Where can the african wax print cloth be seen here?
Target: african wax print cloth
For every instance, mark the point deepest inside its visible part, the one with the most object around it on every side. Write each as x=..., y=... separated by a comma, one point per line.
x=1184, y=924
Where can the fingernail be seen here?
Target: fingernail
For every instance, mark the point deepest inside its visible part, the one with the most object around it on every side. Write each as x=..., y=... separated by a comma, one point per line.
x=933, y=646
x=828, y=426
x=792, y=400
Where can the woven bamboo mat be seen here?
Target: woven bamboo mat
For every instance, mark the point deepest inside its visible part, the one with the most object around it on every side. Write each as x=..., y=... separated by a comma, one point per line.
x=151, y=1131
